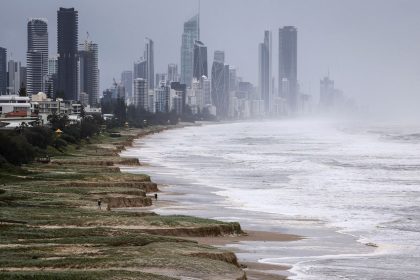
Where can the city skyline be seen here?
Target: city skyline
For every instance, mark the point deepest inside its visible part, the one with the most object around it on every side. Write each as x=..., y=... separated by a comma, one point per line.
x=332, y=52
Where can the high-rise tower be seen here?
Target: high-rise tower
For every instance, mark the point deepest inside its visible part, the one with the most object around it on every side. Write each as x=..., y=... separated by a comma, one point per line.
x=287, y=79
x=140, y=92
x=220, y=85
x=190, y=35
x=37, y=55
x=144, y=68
x=89, y=71
x=150, y=64
x=67, y=41
x=3, y=70
x=13, y=77
x=264, y=74
x=173, y=72
x=127, y=81
x=200, y=60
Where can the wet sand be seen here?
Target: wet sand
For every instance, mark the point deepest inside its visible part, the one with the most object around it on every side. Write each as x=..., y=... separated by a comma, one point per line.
x=255, y=270
x=248, y=236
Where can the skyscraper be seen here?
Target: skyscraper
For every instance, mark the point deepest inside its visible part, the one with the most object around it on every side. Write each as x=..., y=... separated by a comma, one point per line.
x=141, y=93
x=219, y=56
x=173, y=72
x=220, y=87
x=150, y=64
x=200, y=60
x=144, y=68
x=23, y=76
x=287, y=79
x=206, y=88
x=181, y=90
x=160, y=78
x=89, y=71
x=140, y=69
x=3, y=70
x=67, y=41
x=13, y=77
x=52, y=65
x=51, y=83
x=264, y=73
x=127, y=81
x=163, y=98
x=190, y=35
x=233, y=83
x=37, y=55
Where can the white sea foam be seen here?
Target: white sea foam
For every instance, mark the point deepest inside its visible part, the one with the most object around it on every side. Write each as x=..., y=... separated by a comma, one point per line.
x=362, y=180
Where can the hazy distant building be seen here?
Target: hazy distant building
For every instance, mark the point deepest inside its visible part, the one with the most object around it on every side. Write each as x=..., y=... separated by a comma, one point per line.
x=206, y=87
x=173, y=73
x=181, y=90
x=288, y=88
x=119, y=91
x=159, y=78
x=326, y=93
x=67, y=42
x=127, y=81
x=144, y=68
x=189, y=36
x=3, y=70
x=141, y=93
x=150, y=67
x=140, y=69
x=220, y=87
x=37, y=55
x=89, y=72
x=163, y=98
x=264, y=71
x=233, y=79
x=219, y=56
x=200, y=60
x=13, y=77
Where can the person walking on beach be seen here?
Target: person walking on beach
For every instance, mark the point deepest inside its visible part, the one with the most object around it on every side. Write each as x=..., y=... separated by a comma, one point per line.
x=99, y=204
x=155, y=196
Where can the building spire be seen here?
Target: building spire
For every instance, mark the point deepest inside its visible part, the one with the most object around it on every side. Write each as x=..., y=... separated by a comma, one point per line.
x=199, y=9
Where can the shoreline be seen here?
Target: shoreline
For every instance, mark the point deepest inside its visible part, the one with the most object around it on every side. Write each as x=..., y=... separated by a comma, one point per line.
x=52, y=226
x=255, y=270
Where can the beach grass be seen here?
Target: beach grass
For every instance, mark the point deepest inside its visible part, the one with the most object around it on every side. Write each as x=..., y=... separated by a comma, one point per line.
x=51, y=227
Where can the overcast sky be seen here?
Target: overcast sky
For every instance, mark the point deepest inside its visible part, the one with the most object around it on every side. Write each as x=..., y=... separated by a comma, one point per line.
x=371, y=47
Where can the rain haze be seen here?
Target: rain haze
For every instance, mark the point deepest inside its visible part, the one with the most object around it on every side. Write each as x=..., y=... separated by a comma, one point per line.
x=370, y=48
x=282, y=137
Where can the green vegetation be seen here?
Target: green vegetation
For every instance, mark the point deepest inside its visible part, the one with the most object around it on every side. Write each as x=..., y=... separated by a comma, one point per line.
x=51, y=227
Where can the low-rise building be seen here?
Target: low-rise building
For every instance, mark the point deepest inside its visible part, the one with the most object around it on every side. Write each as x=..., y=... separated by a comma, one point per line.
x=15, y=110
x=43, y=106
x=13, y=104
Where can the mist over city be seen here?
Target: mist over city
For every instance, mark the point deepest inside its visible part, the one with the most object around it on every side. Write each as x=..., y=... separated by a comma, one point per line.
x=210, y=139
x=340, y=38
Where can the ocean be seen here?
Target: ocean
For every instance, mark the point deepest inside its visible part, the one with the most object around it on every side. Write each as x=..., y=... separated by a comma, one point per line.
x=352, y=189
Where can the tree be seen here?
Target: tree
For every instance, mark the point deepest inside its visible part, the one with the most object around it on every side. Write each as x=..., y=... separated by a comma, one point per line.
x=59, y=94
x=58, y=121
x=22, y=90
x=82, y=111
x=120, y=110
x=49, y=91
